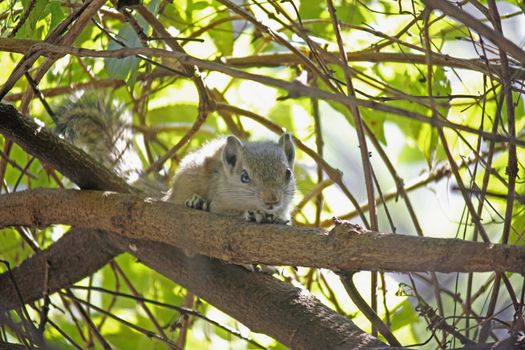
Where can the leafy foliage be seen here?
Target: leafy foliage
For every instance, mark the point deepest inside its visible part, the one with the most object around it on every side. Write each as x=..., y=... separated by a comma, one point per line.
x=446, y=171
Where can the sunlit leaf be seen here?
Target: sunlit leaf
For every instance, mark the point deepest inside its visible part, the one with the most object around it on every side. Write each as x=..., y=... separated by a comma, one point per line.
x=122, y=68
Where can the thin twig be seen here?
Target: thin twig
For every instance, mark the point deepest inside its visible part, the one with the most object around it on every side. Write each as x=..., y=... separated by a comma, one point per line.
x=295, y=88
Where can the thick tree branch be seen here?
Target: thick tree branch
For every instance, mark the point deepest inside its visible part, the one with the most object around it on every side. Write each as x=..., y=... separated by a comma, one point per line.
x=78, y=254
x=289, y=314
x=347, y=247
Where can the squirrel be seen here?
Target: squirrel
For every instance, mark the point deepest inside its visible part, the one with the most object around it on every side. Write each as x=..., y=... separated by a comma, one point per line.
x=251, y=180
x=227, y=176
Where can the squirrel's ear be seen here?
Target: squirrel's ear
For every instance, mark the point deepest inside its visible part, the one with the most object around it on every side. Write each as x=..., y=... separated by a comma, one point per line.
x=230, y=153
x=286, y=143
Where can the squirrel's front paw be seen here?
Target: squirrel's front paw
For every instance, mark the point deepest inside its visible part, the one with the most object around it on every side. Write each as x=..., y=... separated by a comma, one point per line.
x=260, y=216
x=197, y=202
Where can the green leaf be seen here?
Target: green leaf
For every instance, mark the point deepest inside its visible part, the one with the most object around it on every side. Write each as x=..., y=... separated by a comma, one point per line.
x=441, y=87
x=282, y=114
x=57, y=13
x=200, y=5
x=316, y=10
x=30, y=29
x=518, y=220
x=86, y=35
x=427, y=142
x=303, y=180
x=411, y=81
x=402, y=315
x=223, y=37
x=121, y=68
x=520, y=4
x=195, y=6
x=182, y=112
x=410, y=154
x=177, y=15
x=350, y=12
x=11, y=248
x=179, y=118
x=154, y=6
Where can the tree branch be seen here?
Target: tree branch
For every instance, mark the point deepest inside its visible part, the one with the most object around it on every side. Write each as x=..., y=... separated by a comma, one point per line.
x=307, y=323
x=467, y=19
x=346, y=247
x=291, y=315
x=278, y=59
x=78, y=254
x=294, y=88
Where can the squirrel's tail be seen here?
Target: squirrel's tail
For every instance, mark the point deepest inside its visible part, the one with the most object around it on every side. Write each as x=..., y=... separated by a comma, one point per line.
x=101, y=128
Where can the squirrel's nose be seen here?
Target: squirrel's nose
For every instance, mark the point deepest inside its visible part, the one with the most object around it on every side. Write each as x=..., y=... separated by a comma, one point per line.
x=270, y=205
x=270, y=199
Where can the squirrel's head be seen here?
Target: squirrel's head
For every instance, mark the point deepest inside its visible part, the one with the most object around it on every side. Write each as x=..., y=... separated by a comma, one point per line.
x=260, y=172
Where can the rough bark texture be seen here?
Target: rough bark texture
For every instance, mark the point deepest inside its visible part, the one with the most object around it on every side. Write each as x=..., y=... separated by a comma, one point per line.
x=308, y=323
x=347, y=247
x=289, y=314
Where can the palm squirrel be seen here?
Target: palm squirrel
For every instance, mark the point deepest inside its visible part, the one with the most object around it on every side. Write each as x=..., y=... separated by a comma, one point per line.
x=250, y=180
x=253, y=180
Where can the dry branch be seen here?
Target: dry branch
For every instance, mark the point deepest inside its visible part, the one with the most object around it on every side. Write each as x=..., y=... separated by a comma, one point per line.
x=293, y=88
x=279, y=59
x=470, y=21
x=345, y=248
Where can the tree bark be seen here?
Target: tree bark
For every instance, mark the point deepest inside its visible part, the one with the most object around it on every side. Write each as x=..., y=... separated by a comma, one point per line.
x=346, y=248
x=264, y=304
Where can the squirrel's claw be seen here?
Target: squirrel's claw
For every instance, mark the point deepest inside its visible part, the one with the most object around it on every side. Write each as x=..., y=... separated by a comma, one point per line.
x=258, y=216
x=263, y=217
x=197, y=202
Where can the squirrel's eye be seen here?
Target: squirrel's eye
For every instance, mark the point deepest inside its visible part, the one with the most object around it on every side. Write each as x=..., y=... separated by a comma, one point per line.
x=244, y=176
x=288, y=174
